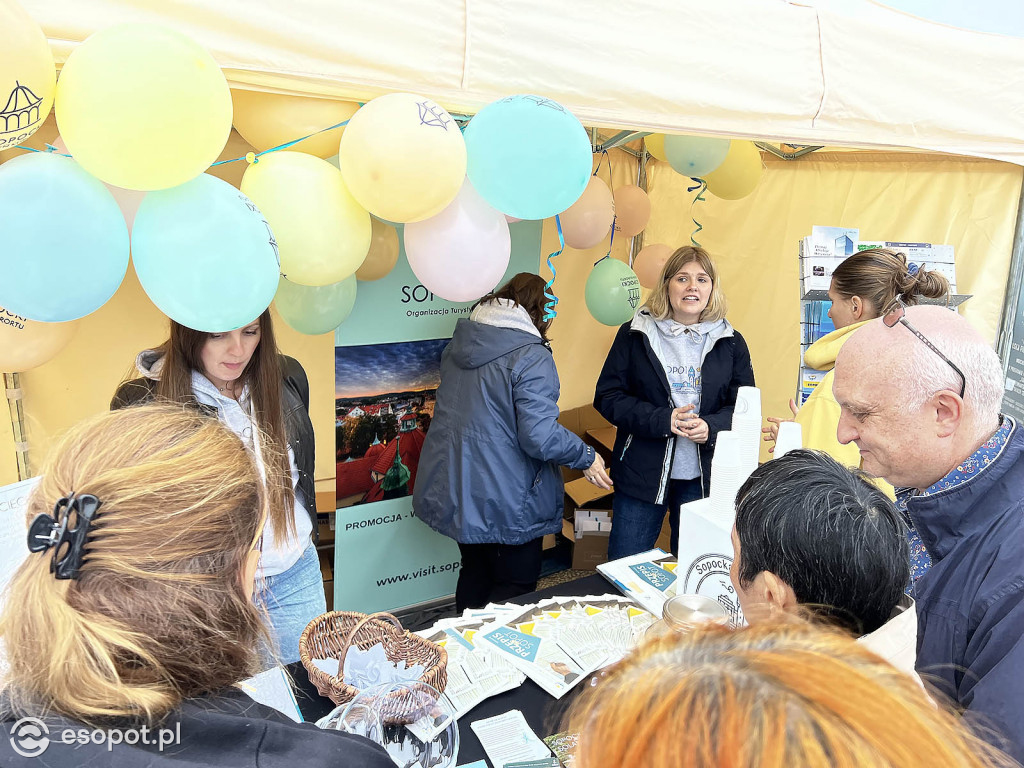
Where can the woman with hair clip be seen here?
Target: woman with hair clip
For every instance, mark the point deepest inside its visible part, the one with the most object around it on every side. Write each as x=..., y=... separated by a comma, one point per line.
x=131, y=622
x=669, y=385
x=776, y=695
x=864, y=286
x=263, y=397
x=488, y=475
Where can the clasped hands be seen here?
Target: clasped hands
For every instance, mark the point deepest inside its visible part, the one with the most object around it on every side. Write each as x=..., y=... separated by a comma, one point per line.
x=597, y=474
x=687, y=424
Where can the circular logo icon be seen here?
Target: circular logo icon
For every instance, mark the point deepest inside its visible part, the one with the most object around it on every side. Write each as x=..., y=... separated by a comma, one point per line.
x=30, y=737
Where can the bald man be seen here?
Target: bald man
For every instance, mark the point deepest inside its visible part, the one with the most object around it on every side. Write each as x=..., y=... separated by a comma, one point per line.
x=919, y=391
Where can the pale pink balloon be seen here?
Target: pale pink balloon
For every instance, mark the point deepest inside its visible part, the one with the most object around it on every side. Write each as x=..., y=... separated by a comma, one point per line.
x=649, y=263
x=461, y=253
x=128, y=200
x=587, y=222
x=632, y=210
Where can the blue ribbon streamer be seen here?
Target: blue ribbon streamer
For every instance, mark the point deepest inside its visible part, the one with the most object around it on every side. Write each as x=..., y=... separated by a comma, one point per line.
x=702, y=185
x=279, y=147
x=550, y=313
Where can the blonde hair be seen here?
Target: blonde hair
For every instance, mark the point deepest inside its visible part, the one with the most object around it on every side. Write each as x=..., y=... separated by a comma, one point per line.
x=879, y=275
x=158, y=612
x=658, y=303
x=767, y=696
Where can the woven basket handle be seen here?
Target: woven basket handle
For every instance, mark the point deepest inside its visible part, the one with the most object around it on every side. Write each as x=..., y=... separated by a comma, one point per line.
x=352, y=633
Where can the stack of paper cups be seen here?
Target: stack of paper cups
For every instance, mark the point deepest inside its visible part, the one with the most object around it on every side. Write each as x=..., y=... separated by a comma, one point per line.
x=727, y=475
x=746, y=423
x=790, y=438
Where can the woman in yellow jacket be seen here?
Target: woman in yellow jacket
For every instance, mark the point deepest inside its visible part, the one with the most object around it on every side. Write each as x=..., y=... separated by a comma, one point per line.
x=863, y=287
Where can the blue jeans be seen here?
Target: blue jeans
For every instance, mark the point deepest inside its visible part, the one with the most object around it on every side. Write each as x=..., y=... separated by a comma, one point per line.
x=636, y=524
x=293, y=599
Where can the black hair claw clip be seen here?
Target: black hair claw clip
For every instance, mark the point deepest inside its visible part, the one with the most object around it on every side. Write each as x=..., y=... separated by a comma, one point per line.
x=65, y=531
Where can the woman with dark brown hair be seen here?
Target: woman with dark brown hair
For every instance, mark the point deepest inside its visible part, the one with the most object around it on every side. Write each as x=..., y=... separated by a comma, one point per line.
x=263, y=396
x=489, y=472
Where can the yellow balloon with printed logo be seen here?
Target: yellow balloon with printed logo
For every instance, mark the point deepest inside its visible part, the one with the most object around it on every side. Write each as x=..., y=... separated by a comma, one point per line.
x=28, y=76
x=403, y=157
x=143, y=107
x=739, y=173
x=26, y=344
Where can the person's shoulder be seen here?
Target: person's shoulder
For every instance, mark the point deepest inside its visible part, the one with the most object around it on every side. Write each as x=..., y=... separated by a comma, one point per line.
x=290, y=367
x=133, y=392
x=234, y=716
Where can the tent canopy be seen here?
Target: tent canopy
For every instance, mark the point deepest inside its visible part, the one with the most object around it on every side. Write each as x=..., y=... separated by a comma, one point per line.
x=847, y=72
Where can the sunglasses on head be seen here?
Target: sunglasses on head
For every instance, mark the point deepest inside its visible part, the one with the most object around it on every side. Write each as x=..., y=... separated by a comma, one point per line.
x=898, y=315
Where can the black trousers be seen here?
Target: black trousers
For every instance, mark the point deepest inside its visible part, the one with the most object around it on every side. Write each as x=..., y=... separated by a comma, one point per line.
x=494, y=573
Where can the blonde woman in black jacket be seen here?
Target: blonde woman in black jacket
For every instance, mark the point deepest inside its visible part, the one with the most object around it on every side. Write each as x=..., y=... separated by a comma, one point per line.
x=669, y=385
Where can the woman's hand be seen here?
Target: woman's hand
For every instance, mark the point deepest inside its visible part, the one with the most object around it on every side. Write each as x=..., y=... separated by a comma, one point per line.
x=597, y=474
x=771, y=432
x=681, y=417
x=697, y=430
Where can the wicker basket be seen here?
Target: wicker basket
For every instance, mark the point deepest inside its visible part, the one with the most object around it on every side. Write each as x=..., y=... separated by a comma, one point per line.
x=331, y=635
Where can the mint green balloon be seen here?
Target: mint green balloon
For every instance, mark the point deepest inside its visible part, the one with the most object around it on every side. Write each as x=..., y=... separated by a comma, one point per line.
x=315, y=309
x=612, y=292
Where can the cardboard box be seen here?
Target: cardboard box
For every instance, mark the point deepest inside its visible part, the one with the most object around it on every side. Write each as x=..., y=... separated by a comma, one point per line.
x=589, y=533
x=327, y=573
x=325, y=528
x=579, y=421
x=603, y=440
x=550, y=542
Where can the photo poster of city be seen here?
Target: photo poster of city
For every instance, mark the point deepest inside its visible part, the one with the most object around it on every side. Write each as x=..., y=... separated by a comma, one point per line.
x=387, y=356
x=384, y=401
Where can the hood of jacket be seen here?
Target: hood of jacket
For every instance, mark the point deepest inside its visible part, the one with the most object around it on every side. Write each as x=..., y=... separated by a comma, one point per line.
x=150, y=363
x=645, y=323
x=493, y=329
x=822, y=354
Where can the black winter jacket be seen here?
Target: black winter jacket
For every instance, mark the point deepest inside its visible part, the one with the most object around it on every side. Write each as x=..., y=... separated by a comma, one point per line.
x=633, y=394
x=229, y=730
x=297, y=425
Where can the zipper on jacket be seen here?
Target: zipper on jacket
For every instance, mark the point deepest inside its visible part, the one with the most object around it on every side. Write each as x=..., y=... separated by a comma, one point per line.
x=666, y=463
x=629, y=439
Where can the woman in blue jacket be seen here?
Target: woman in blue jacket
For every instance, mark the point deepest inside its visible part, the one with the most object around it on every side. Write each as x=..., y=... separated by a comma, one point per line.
x=489, y=473
x=669, y=385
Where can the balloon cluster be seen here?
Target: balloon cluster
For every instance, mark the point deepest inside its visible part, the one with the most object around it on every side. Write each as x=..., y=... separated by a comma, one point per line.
x=732, y=169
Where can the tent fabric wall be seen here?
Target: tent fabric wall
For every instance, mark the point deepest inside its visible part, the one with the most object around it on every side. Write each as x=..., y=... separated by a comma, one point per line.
x=819, y=72
x=970, y=204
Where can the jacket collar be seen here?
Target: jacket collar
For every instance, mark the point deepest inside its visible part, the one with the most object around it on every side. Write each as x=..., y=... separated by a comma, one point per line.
x=643, y=322
x=945, y=517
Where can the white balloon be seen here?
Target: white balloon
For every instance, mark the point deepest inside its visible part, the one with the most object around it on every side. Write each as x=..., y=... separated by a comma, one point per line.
x=461, y=253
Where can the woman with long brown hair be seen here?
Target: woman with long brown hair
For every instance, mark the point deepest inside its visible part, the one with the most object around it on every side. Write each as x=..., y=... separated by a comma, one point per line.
x=775, y=695
x=488, y=475
x=239, y=377
x=131, y=622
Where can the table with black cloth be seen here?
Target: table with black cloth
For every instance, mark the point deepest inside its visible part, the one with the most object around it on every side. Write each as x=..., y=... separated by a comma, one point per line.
x=541, y=710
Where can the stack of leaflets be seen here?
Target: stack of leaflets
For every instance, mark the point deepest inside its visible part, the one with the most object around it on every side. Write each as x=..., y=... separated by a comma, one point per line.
x=648, y=579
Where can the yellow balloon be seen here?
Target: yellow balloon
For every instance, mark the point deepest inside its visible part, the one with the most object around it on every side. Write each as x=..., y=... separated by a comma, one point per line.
x=655, y=143
x=322, y=233
x=28, y=76
x=267, y=120
x=403, y=157
x=143, y=107
x=738, y=174
x=25, y=344
x=383, y=253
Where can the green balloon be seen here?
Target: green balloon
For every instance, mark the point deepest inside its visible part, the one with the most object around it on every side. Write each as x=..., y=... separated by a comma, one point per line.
x=612, y=292
x=315, y=309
